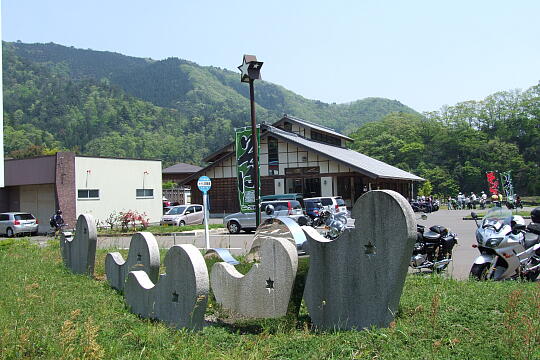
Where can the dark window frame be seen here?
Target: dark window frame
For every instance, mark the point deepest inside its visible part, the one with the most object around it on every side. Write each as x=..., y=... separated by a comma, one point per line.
x=325, y=138
x=144, y=193
x=273, y=156
x=88, y=194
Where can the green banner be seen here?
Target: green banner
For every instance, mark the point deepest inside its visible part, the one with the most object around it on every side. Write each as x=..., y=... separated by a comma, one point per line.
x=506, y=180
x=245, y=169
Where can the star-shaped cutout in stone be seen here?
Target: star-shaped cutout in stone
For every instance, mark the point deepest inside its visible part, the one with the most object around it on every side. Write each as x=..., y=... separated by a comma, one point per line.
x=370, y=249
x=270, y=284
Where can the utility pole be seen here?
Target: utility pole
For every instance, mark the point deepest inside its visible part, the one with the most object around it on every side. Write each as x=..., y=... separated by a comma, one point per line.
x=251, y=70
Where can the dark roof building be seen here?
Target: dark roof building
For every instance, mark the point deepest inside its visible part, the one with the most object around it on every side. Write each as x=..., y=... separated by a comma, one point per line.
x=297, y=156
x=179, y=172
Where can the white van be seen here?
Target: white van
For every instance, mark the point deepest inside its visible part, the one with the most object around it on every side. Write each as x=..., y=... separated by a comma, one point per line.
x=334, y=204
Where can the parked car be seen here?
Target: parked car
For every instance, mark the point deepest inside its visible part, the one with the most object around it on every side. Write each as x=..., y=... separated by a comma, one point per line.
x=313, y=208
x=291, y=196
x=246, y=222
x=165, y=202
x=12, y=223
x=183, y=215
x=166, y=209
x=334, y=204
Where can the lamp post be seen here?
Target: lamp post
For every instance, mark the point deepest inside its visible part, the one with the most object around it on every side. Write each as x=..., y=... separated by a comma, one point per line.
x=250, y=71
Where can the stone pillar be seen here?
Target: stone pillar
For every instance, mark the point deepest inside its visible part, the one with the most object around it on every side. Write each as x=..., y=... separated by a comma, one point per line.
x=65, y=191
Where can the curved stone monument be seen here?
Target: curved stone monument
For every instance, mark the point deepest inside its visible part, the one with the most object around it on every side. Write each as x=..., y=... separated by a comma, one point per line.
x=79, y=251
x=179, y=297
x=265, y=291
x=143, y=255
x=356, y=280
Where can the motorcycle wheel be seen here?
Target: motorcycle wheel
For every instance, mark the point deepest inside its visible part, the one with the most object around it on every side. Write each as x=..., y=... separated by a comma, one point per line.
x=442, y=268
x=532, y=276
x=480, y=271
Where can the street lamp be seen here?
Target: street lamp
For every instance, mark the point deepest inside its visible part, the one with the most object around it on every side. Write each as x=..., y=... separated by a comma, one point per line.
x=250, y=71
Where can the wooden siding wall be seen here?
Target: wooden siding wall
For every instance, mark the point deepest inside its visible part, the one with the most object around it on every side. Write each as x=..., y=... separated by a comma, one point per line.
x=290, y=156
x=224, y=194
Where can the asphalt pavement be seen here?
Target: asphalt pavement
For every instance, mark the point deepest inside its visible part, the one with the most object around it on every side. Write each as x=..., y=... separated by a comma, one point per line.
x=463, y=254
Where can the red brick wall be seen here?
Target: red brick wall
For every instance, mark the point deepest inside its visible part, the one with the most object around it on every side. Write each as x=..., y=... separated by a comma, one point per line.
x=65, y=186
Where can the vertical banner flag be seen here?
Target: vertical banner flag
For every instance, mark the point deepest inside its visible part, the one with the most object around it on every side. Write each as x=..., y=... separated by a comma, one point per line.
x=506, y=179
x=245, y=169
x=493, y=183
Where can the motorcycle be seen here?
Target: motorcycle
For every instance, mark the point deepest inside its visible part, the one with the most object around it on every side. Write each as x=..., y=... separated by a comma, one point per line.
x=433, y=248
x=507, y=250
x=335, y=223
x=314, y=211
x=482, y=203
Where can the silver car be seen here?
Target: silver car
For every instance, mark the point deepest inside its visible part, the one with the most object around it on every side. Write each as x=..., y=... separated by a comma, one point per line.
x=183, y=215
x=240, y=221
x=13, y=223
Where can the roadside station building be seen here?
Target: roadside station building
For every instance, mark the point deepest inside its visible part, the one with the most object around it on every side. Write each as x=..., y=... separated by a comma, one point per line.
x=80, y=184
x=297, y=156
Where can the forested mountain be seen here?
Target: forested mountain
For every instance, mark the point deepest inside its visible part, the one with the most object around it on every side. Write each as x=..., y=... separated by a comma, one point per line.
x=108, y=104
x=454, y=147
x=198, y=91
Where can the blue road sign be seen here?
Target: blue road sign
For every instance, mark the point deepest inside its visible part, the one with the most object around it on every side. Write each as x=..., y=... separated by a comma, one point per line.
x=204, y=183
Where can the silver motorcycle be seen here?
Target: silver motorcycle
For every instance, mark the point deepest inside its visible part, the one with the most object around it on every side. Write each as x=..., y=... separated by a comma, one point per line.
x=505, y=250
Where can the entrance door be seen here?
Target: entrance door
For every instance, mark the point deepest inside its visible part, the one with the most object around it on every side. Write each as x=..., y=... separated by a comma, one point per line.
x=312, y=187
x=308, y=187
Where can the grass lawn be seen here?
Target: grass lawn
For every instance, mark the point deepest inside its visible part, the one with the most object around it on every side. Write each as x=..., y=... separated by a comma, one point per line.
x=514, y=212
x=48, y=312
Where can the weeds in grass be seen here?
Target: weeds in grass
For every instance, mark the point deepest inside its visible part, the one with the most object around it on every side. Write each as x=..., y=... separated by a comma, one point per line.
x=522, y=327
x=77, y=342
x=44, y=313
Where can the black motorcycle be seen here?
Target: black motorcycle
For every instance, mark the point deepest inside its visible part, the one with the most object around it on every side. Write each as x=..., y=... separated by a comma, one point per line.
x=433, y=248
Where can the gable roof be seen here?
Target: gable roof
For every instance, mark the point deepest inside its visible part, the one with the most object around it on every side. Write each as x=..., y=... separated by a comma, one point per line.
x=311, y=125
x=359, y=162
x=181, y=168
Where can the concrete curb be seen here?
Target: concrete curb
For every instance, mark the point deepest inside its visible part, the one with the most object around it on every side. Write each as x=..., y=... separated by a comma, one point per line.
x=180, y=233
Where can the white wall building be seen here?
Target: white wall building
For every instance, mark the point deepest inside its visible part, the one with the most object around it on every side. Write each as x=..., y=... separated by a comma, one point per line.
x=80, y=184
x=105, y=186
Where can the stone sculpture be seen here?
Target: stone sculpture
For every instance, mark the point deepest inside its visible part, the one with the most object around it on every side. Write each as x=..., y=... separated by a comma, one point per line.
x=278, y=227
x=179, y=297
x=143, y=255
x=264, y=292
x=79, y=251
x=356, y=280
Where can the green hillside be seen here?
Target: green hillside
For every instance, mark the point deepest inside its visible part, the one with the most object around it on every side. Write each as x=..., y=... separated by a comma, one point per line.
x=202, y=91
x=108, y=104
x=455, y=147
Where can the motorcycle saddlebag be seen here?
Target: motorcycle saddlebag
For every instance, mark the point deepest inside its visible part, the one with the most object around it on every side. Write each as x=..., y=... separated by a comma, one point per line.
x=534, y=228
x=448, y=243
x=439, y=229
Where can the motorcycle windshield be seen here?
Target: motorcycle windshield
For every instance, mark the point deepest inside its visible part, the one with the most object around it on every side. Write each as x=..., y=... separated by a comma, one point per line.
x=497, y=217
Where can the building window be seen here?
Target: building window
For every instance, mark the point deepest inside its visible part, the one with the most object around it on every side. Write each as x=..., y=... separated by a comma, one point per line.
x=273, y=156
x=88, y=194
x=145, y=193
x=325, y=138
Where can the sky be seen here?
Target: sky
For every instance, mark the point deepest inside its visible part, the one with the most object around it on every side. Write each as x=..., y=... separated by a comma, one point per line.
x=425, y=54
